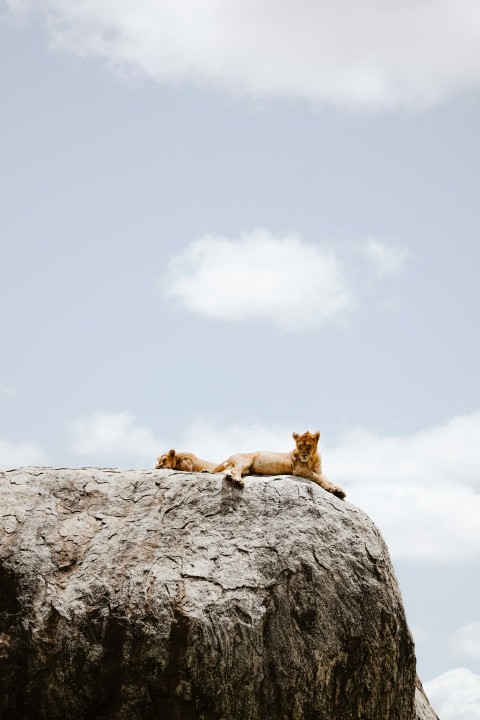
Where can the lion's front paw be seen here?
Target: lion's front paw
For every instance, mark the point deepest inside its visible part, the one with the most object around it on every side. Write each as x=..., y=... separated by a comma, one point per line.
x=233, y=478
x=339, y=492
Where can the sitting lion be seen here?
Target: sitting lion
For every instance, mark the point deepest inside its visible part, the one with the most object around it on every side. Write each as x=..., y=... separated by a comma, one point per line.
x=188, y=462
x=304, y=461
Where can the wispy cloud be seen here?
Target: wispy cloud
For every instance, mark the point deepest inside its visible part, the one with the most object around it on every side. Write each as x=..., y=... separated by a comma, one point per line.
x=387, y=258
x=8, y=391
x=113, y=437
x=465, y=642
x=20, y=454
x=286, y=281
x=455, y=695
x=368, y=54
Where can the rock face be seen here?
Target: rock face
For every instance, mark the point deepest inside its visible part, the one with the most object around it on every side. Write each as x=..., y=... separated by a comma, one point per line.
x=423, y=709
x=129, y=594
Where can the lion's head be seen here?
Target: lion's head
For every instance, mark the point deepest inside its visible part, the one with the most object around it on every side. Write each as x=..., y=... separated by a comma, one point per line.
x=306, y=445
x=166, y=461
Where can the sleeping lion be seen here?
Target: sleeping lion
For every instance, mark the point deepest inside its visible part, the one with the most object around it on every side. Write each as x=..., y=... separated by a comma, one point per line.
x=304, y=461
x=188, y=462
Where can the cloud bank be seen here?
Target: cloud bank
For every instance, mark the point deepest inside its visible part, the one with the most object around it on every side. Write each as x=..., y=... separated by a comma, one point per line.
x=20, y=454
x=455, y=695
x=359, y=55
x=107, y=437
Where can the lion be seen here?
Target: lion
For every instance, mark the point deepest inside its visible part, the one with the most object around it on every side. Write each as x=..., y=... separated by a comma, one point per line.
x=188, y=462
x=304, y=461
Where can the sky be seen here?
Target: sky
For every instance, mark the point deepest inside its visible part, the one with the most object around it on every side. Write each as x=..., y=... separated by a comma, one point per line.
x=222, y=223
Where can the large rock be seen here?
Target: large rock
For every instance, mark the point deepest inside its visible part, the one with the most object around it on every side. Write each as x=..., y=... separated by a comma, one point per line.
x=129, y=594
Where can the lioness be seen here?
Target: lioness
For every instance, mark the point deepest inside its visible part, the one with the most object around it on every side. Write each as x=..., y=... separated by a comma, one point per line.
x=188, y=462
x=304, y=461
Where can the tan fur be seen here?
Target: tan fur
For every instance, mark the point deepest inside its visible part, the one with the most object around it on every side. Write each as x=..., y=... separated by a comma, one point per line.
x=304, y=461
x=188, y=462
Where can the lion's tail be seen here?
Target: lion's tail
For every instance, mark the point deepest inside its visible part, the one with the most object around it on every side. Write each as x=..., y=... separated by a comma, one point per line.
x=220, y=468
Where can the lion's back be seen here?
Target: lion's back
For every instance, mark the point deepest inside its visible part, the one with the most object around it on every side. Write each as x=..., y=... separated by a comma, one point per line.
x=191, y=463
x=271, y=463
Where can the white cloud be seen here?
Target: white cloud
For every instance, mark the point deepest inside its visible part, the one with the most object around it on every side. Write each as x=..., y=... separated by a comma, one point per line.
x=259, y=277
x=345, y=52
x=455, y=695
x=387, y=259
x=465, y=642
x=20, y=454
x=106, y=436
x=442, y=456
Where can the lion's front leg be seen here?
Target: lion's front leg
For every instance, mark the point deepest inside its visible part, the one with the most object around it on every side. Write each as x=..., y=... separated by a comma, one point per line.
x=236, y=468
x=330, y=487
x=320, y=480
x=234, y=475
x=238, y=480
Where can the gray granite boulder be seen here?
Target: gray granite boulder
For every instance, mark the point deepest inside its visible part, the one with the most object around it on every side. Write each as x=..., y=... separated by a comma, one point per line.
x=138, y=594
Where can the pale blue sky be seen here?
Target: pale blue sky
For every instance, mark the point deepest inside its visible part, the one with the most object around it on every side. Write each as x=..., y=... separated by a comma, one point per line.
x=105, y=176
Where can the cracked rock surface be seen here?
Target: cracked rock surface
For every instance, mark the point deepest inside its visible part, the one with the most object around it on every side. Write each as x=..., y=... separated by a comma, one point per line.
x=138, y=594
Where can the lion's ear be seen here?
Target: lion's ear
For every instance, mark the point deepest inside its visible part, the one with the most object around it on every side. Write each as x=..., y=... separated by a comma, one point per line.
x=171, y=453
x=317, y=436
x=295, y=436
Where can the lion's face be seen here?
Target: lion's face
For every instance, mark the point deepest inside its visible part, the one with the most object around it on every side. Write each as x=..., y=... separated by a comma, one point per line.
x=166, y=461
x=306, y=445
